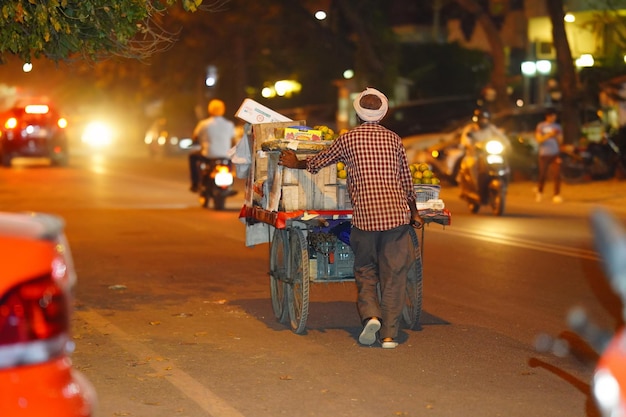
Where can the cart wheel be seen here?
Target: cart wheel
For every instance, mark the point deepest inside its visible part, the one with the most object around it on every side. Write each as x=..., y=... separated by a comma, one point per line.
x=279, y=264
x=413, y=304
x=298, y=296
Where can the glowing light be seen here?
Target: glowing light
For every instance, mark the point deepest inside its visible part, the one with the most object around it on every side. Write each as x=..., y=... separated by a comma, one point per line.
x=529, y=68
x=97, y=134
x=348, y=74
x=569, y=18
x=585, y=60
x=36, y=109
x=287, y=87
x=320, y=15
x=544, y=66
x=268, y=92
x=27, y=67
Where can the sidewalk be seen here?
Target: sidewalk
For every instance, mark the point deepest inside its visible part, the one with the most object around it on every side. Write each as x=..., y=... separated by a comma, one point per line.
x=610, y=193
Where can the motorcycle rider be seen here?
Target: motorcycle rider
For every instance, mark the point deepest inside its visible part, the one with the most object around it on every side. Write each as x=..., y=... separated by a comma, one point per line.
x=215, y=135
x=479, y=130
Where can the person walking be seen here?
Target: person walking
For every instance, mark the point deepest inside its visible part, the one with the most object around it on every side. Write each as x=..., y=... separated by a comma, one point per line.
x=384, y=210
x=215, y=136
x=549, y=136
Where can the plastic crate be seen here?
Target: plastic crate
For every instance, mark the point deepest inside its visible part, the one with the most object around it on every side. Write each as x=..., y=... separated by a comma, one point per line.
x=335, y=262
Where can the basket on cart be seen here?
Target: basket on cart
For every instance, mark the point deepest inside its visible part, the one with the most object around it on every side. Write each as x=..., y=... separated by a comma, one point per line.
x=426, y=192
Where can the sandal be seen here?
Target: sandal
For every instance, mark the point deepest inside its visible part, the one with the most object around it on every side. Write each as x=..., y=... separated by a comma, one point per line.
x=389, y=343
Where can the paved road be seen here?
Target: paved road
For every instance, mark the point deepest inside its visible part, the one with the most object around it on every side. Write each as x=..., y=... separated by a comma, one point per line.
x=191, y=332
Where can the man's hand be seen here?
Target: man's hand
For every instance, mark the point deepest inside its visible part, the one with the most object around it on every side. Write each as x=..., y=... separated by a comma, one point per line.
x=416, y=219
x=289, y=159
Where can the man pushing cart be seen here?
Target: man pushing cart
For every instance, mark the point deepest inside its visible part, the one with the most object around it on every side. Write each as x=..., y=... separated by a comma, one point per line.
x=369, y=237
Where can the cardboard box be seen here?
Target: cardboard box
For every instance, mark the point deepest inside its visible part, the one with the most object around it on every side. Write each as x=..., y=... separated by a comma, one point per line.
x=302, y=133
x=253, y=112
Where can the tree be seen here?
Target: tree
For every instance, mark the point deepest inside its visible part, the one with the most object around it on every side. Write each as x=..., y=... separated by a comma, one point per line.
x=62, y=29
x=566, y=73
x=498, y=74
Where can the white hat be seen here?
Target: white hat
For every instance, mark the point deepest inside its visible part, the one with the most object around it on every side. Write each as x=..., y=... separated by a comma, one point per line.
x=369, y=115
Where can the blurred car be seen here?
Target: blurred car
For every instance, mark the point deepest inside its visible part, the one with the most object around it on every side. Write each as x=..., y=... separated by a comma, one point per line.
x=169, y=136
x=33, y=129
x=426, y=116
x=440, y=149
x=36, y=284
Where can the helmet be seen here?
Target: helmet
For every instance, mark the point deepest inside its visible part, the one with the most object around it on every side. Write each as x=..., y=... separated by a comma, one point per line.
x=216, y=108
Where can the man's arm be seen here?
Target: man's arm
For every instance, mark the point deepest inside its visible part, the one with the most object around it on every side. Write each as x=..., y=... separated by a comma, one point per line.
x=416, y=219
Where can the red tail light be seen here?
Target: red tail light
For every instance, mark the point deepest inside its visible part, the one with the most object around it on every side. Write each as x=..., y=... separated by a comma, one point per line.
x=33, y=311
x=11, y=123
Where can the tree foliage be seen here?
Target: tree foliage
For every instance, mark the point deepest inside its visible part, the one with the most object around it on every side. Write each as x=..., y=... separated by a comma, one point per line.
x=92, y=29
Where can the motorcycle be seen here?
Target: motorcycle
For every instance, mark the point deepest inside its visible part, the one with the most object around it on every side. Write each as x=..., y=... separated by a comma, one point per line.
x=597, y=160
x=216, y=182
x=609, y=377
x=608, y=387
x=484, y=177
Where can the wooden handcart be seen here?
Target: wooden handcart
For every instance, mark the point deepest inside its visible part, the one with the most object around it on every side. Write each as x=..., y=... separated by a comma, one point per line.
x=310, y=245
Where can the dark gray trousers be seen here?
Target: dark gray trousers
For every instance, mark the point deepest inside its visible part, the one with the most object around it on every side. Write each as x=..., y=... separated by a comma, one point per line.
x=382, y=258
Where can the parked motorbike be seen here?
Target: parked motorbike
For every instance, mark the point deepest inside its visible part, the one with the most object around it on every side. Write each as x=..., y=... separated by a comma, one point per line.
x=609, y=378
x=216, y=182
x=484, y=178
x=608, y=387
x=597, y=160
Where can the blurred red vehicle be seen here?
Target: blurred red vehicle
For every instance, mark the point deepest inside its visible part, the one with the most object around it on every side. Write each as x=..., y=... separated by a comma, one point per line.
x=36, y=284
x=33, y=129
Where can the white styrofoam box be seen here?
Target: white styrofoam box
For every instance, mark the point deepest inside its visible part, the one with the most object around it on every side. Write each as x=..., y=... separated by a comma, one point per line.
x=343, y=198
x=290, y=176
x=290, y=197
x=255, y=113
x=261, y=162
x=330, y=197
x=314, y=191
x=329, y=174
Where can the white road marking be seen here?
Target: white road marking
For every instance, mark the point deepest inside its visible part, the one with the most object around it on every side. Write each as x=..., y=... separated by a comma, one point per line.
x=524, y=243
x=206, y=399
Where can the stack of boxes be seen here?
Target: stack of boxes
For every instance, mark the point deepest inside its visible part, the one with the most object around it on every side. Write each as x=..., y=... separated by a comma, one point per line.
x=299, y=189
x=302, y=190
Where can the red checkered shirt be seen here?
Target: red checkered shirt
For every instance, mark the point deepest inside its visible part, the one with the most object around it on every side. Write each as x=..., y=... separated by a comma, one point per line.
x=379, y=180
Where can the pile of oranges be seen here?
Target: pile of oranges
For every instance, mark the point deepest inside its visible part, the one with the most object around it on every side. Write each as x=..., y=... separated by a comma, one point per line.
x=422, y=174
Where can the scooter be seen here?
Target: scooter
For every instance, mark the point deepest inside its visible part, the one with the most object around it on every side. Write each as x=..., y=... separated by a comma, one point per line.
x=216, y=182
x=609, y=378
x=597, y=160
x=484, y=177
x=608, y=387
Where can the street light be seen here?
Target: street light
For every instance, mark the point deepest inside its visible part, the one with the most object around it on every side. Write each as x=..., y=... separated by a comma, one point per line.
x=585, y=60
x=530, y=69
